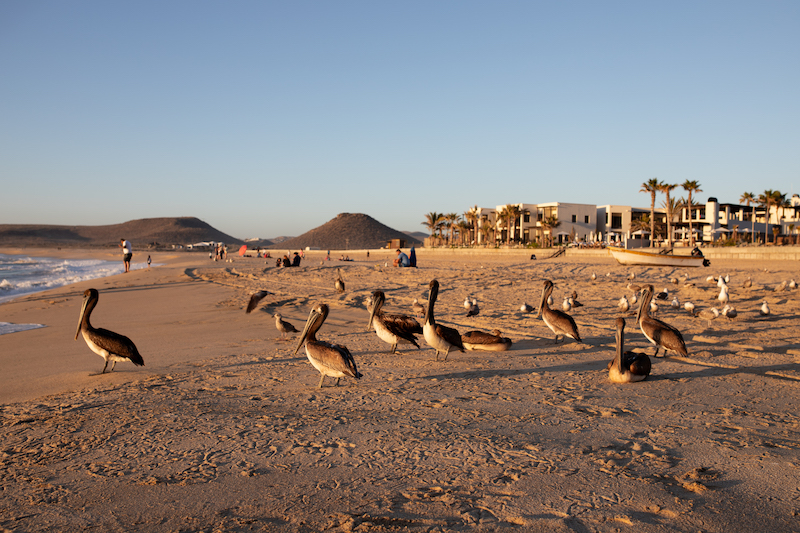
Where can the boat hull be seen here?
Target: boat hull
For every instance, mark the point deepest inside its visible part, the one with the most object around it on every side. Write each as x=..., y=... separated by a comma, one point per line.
x=637, y=257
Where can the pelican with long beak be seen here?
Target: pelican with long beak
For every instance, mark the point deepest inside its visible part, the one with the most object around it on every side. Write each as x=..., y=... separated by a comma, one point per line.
x=440, y=338
x=559, y=322
x=659, y=333
x=486, y=342
x=627, y=367
x=107, y=344
x=329, y=359
x=393, y=329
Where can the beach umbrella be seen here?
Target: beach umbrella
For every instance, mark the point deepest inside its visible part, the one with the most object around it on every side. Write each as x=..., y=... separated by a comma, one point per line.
x=242, y=250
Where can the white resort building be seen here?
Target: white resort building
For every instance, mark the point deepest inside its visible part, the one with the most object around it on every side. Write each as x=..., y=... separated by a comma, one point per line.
x=533, y=223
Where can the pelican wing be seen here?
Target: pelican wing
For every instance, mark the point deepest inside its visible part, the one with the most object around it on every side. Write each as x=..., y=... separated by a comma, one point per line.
x=563, y=323
x=479, y=340
x=664, y=335
x=116, y=344
x=450, y=335
x=335, y=357
x=254, y=299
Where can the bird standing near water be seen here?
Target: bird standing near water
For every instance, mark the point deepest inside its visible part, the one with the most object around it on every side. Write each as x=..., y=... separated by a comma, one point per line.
x=107, y=344
x=339, y=283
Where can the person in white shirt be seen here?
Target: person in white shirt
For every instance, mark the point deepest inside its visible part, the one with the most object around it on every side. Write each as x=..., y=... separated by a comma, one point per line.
x=128, y=253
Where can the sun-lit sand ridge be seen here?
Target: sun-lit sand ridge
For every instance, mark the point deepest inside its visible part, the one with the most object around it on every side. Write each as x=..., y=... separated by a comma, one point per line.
x=225, y=429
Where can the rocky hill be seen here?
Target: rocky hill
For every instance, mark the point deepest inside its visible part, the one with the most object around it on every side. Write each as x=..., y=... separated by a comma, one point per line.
x=143, y=232
x=348, y=231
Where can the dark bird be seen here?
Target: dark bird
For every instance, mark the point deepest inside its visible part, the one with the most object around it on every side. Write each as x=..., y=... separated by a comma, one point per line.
x=107, y=344
x=283, y=326
x=659, y=333
x=574, y=301
x=339, y=283
x=440, y=338
x=329, y=359
x=559, y=322
x=254, y=299
x=627, y=367
x=487, y=342
x=393, y=329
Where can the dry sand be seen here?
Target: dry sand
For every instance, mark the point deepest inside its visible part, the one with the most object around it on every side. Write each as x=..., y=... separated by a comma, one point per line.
x=224, y=429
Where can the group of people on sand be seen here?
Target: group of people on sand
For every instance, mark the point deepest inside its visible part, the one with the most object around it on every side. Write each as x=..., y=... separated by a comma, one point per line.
x=286, y=262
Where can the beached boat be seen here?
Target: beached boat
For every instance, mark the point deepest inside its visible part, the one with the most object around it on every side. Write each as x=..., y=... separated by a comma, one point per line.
x=638, y=257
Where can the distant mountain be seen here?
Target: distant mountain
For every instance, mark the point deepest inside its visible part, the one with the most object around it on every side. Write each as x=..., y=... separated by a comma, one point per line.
x=418, y=235
x=164, y=231
x=348, y=231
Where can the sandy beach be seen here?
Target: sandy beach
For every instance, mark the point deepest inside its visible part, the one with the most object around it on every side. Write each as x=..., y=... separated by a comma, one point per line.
x=224, y=428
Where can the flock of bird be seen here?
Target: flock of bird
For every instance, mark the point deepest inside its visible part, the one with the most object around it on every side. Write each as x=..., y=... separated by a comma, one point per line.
x=336, y=361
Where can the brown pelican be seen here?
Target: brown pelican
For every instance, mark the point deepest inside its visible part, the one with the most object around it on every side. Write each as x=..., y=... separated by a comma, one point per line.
x=332, y=360
x=283, y=326
x=488, y=342
x=107, y=344
x=339, y=283
x=659, y=333
x=627, y=367
x=473, y=309
x=440, y=338
x=419, y=309
x=254, y=299
x=393, y=329
x=559, y=323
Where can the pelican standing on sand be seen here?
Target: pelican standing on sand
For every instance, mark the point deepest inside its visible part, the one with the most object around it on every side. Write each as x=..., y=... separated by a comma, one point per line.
x=559, y=322
x=440, y=338
x=107, y=344
x=393, y=329
x=627, y=367
x=487, y=342
x=659, y=333
x=329, y=359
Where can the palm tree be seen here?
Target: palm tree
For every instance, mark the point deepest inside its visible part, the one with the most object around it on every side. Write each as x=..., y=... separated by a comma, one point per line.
x=746, y=199
x=550, y=223
x=691, y=186
x=450, y=223
x=641, y=224
x=513, y=213
x=669, y=205
x=767, y=199
x=652, y=186
x=464, y=230
x=471, y=216
x=433, y=222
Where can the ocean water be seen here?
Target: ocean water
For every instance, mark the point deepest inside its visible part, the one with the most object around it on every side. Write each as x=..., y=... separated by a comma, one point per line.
x=22, y=275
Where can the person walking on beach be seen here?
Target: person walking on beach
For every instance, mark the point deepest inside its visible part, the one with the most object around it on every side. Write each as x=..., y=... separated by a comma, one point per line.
x=127, y=254
x=148, y=261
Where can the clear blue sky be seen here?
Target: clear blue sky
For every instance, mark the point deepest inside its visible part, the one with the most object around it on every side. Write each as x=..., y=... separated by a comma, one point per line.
x=269, y=118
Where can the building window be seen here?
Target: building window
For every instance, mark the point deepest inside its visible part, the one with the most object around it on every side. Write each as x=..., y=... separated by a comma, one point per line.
x=526, y=217
x=574, y=218
x=616, y=221
x=586, y=219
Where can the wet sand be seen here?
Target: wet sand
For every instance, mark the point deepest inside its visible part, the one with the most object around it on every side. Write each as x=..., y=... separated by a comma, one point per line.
x=224, y=429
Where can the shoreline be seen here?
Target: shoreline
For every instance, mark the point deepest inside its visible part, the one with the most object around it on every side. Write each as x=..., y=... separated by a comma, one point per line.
x=226, y=422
